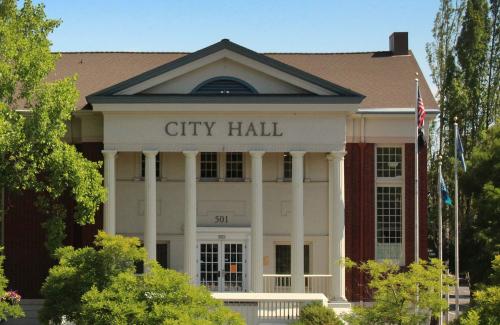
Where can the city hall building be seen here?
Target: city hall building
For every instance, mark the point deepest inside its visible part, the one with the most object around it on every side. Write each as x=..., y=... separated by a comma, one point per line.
x=251, y=172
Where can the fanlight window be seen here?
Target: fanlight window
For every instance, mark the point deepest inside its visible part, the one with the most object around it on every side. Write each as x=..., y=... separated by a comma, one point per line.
x=224, y=86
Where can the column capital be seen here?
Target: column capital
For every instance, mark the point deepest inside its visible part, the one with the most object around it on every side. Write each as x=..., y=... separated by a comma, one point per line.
x=256, y=154
x=190, y=153
x=150, y=152
x=297, y=154
x=337, y=155
x=109, y=152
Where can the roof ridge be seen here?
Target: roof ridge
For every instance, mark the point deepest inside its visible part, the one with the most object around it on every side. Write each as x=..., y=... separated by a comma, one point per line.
x=119, y=52
x=181, y=52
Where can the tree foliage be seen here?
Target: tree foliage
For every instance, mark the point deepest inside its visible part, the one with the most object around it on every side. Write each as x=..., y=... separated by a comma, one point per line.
x=79, y=270
x=465, y=63
x=486, y=302
x=99, y=286
x=34, y=115
x=482, y=185
x=159, y=297
x=406, y=297
x=317, y=314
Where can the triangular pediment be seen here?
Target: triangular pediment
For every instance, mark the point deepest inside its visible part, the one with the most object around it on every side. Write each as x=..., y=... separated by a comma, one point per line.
x=230, y=63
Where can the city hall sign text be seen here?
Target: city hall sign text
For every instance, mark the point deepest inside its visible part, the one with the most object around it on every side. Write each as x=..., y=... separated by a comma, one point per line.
x=231, y=128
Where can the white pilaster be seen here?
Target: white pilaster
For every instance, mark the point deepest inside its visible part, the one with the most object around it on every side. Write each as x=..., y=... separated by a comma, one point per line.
x=336, y=224
x=298, y=281
x=190, y=214
x=109, y=220
x=257, y=222
x=150, y=203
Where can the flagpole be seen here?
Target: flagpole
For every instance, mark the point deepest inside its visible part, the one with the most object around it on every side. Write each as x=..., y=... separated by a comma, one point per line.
x=457, y=278
x=417, y=242
x=440, y=229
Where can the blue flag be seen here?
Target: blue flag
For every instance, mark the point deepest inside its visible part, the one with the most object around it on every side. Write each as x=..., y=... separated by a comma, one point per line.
x=460, y=151
x=444, y=191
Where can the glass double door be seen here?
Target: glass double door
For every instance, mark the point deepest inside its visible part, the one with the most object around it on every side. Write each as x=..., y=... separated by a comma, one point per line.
x=223, y=265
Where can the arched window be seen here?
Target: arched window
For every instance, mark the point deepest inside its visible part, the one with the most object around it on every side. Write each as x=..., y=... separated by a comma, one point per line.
x=224, y=86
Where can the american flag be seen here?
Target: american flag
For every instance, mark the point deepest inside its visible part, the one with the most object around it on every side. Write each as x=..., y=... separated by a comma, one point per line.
x=420, y=120
x=420, y=111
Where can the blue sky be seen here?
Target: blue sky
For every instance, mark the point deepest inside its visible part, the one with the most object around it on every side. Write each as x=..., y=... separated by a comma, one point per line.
x=263, y=26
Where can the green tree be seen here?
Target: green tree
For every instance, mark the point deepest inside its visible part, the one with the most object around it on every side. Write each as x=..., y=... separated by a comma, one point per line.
x=402, y=297
x=486, y=303
x=466, y=70
x=99, y=286
x=317, y=314
x=472, y=53
x=482, y=185
x=34, y=115
x=79, y=270
x=159, y=297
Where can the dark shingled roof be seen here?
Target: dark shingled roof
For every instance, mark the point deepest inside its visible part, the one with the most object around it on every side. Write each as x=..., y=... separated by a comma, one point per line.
x=387, y=81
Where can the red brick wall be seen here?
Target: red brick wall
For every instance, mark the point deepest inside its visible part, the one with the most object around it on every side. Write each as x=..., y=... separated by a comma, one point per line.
x=410, y=202
x=27, y=260
x=360, y=218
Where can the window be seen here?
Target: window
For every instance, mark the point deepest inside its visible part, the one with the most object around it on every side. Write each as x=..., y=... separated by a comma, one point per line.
x=284, y=257
x=234, y=165
x=389, y=204
x=208, y=165
x=143, y=165
x=224, y=86
x=389, y=161
x=287, y=166
x=162, y=256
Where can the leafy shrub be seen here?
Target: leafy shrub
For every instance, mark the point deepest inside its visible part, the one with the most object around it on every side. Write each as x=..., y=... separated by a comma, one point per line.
x=159, y=297
x=79, y=270
x=402, y=297
x=317, y=314
x=9, y=300
x=486, y=302
x=99, y=286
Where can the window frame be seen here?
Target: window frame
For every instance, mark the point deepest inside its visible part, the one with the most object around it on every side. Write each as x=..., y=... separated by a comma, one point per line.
x=397, y=181
x=226, y=169
x=217, y=167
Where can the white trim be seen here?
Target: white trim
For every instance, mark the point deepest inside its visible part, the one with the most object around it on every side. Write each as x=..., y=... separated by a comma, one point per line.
x=400, y=110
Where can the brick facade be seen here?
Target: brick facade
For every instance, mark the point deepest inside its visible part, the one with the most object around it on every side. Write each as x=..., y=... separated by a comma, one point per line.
x=27, y=260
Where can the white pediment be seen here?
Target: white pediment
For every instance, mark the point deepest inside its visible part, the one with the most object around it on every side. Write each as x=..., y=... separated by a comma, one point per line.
x=225, y=63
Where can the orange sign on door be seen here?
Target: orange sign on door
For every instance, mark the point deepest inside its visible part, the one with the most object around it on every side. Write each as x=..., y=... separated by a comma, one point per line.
x=233, y=268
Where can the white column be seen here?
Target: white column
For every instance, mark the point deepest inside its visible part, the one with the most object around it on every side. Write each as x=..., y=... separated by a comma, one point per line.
x=109, y=220
x=150, y=203
x=298, y=281
x=190, y=214
x=257, y=222
x=336, y=224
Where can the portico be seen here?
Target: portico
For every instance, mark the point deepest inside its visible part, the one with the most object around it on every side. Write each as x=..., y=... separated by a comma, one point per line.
x=336, y=224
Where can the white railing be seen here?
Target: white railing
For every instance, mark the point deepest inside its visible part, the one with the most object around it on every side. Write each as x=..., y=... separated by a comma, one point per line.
x=314, y=283
x=279, y=308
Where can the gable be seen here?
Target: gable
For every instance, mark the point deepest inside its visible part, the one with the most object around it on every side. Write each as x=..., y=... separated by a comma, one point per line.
x=226, y=68
x=223, y=59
